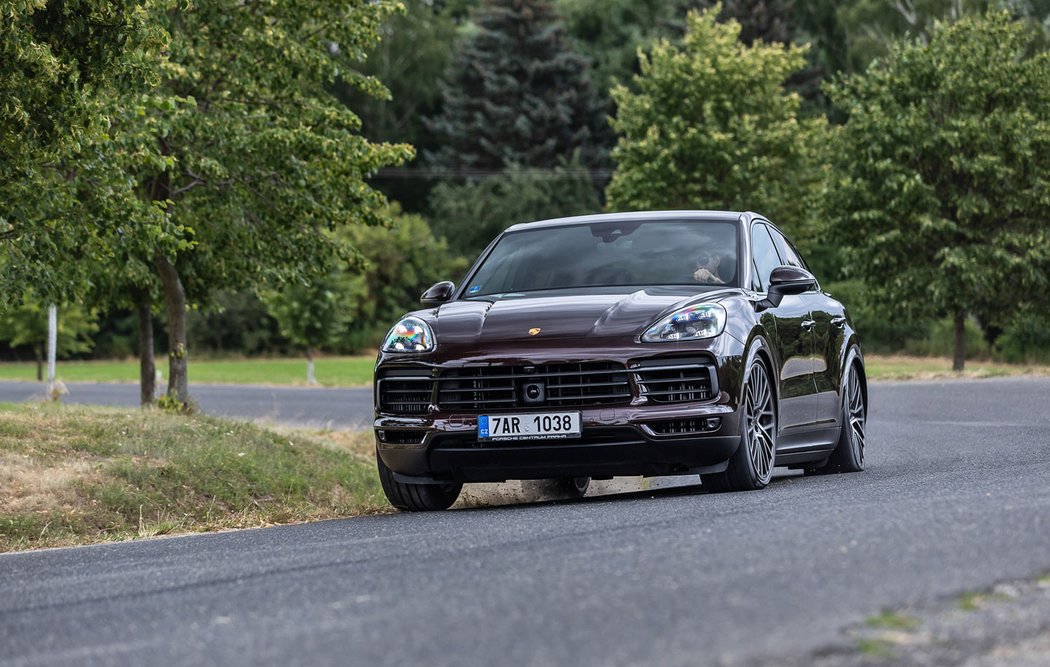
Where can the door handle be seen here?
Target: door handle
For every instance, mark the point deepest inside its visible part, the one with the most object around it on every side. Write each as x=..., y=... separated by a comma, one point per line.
x=808, y=324
x=839, y=321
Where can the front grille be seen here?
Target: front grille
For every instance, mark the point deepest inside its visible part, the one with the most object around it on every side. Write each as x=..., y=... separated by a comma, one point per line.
x=563, y=385
x=676, y=381
x=405, y=394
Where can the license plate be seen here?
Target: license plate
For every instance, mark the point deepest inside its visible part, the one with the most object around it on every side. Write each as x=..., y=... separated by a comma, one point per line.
x=539, y=426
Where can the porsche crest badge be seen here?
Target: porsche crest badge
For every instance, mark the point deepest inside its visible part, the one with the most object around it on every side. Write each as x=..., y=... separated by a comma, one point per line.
x=533, y=331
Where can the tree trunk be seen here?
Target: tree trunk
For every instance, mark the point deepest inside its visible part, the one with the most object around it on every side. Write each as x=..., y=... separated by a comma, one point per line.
x=147, y=365
x=959, y=359
x=175, y=305
x=39, y=353
x=310, y=377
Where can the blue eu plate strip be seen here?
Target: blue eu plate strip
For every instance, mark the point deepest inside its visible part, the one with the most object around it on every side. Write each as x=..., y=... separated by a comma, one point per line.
x=483, y=426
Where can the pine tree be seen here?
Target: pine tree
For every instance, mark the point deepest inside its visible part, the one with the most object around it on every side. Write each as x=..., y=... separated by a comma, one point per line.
x=517, y=93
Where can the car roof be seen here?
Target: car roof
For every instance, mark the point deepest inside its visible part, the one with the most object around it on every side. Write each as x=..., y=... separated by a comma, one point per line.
x=699, y=216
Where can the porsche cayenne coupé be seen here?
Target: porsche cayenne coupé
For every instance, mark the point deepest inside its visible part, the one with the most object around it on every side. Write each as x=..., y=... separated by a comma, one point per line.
x=658, y=343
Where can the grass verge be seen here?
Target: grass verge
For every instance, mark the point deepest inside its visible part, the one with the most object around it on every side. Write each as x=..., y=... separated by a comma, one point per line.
x=76, y=475
x=331, y=371
x=901, y=367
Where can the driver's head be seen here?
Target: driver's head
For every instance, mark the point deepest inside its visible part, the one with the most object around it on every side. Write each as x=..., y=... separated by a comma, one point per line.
x=708, y=260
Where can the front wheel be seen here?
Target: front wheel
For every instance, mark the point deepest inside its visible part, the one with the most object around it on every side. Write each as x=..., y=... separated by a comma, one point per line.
x=416, y=497
x=572, y=487
x=751, y=466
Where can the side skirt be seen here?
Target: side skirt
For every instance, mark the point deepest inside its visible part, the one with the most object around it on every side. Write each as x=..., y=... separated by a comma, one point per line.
x=807, y=446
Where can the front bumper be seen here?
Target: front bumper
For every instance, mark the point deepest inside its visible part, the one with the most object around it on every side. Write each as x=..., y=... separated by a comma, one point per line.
x=631, y=438
x=614, y=441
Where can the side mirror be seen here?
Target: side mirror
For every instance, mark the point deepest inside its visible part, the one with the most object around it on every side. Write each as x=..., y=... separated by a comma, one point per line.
x=789, y=280
x=438, y=294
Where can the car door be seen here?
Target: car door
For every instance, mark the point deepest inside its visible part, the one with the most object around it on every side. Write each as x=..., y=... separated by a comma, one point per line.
x=794, y=337
x=829, y=319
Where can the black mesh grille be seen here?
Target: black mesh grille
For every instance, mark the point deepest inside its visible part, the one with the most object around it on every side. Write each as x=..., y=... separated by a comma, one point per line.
x=676, y=382
x=405, y=395
x=563, y=385
x=683, y=426
x=402, y=437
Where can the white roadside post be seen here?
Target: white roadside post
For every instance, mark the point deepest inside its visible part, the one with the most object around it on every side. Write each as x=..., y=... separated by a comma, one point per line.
x=52, y=344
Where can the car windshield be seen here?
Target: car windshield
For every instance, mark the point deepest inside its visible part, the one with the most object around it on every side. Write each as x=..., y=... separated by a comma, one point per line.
x=619, y=253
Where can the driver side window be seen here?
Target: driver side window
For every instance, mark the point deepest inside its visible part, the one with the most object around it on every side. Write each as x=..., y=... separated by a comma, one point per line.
x=764, y=254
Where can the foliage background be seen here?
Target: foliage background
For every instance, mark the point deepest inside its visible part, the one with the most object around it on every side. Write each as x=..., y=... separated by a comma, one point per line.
x=254, y=171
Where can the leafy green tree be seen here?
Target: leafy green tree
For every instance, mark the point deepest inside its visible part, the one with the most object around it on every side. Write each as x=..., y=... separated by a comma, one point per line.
x=712, y=126
x=414, y=50
x=27, y=325
x=312, y=315
x=235, y=322
x=472, y=214
x=610, y=33
x=63, y=65
x=261, y=157
x=938, y=188
x=517, y=93
x=399, y=263
x=871, y=26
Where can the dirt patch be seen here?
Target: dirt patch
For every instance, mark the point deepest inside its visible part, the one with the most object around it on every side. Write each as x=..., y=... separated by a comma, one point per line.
x=28, y=485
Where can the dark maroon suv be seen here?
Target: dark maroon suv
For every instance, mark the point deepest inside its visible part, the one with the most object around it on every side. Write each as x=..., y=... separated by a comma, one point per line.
x=658, y=343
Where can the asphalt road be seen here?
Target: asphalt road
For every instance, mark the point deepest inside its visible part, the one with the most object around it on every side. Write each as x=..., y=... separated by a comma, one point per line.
x=956, y=497
x=314, y=406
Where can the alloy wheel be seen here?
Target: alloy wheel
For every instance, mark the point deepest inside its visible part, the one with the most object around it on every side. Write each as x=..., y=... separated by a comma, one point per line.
x=761, y=423
x=856, y=413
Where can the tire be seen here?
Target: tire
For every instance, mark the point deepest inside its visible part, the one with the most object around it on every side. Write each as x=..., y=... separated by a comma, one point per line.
x=751, y=466
x=416, y=497
x=848, y=455
x=572, y=487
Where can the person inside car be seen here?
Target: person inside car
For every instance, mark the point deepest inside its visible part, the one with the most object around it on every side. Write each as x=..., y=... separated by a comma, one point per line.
x=707, y=268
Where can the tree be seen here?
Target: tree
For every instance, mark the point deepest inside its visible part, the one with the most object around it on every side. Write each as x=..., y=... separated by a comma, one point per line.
x=312, y=315
x=27, y=325
x=871, y=26
x=939, y=188
x=517, y=93
x=610, y=33
x=410, y=58
x=62, y=66
x=472, y=214
x=414, y=50
x=261, y=159
x=712, y=126
x=399, y=263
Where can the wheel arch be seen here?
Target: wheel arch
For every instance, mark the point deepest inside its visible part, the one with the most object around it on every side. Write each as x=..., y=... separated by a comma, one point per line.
x=763, y=350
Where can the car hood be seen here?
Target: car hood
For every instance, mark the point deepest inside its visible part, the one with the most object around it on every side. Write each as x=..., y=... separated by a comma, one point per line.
x=560, y=316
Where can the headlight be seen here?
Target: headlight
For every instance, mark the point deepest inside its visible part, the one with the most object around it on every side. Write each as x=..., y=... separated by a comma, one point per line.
x=409, y=335
x=704, y=320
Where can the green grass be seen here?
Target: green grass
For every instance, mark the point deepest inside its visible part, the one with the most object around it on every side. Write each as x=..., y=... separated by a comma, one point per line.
x=891, y=620
x=876, y=648
x=331, y=371
x=74, y=475
x=900, y=367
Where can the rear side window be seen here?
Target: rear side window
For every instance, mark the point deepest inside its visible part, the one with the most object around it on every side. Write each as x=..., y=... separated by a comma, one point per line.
x=787, y=252
x=765, y=257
